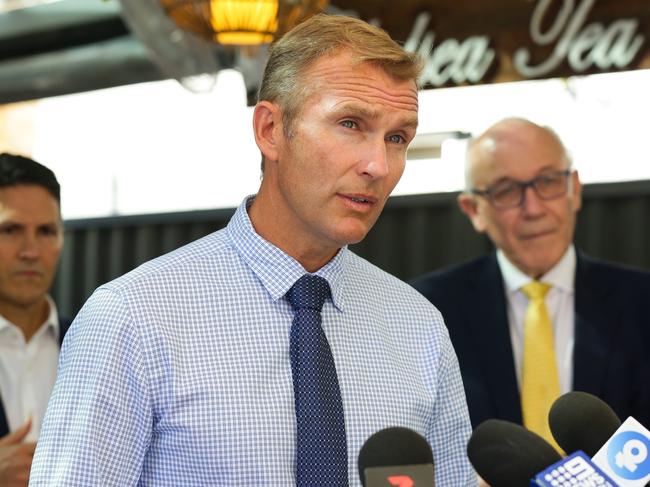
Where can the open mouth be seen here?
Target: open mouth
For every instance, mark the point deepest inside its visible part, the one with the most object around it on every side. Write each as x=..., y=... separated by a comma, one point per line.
x=358, y=202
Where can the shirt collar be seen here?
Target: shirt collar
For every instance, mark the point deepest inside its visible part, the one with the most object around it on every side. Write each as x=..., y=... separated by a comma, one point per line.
x=50, y=323
x=561, y=275
x=276, y=270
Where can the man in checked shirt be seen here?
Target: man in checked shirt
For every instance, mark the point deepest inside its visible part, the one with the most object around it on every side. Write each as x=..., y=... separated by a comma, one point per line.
x=182, y=372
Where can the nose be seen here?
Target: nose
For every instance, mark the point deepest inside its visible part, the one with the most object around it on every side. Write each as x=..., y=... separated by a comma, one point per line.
x=375, y=159
x=532, y=204
x=29, y=248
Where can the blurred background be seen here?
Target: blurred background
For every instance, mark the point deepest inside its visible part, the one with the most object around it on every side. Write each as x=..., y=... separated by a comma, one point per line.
x=143, y=109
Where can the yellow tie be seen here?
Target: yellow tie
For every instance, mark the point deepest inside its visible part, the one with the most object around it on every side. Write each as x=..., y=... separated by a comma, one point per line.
x=540, y=383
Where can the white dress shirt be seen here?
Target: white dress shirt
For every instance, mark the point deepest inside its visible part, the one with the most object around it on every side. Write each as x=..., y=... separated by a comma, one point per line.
x=560, y=303
x=28, y=371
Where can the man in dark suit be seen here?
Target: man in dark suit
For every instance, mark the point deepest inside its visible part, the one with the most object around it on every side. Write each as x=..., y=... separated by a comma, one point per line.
x=31, y=238
x=522, y=192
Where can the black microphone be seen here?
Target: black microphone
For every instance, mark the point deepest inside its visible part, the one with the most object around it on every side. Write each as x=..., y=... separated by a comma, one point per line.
x=620, y=450
x=506, y=454
x=396, y=456
x=582, y=421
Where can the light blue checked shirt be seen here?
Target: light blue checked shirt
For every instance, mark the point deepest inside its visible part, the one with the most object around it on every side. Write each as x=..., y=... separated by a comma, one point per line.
x=178, y=373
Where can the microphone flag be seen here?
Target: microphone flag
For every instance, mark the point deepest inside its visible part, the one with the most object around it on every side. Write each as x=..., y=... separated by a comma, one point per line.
x=626, y=455
x=575, y=470
x=400, y=476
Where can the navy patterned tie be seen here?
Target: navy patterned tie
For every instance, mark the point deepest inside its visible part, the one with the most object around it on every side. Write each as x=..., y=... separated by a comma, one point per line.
x=321, y=448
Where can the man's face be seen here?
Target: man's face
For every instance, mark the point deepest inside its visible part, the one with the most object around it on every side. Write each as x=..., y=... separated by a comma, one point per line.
x=535, y=235
x=31, y=238
x=331, y=178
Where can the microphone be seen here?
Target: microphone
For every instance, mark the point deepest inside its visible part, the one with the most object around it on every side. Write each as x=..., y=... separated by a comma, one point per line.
x=506, y=454
x=396, y=456
x=582, y=421
x=625, y=457
x=621, y=452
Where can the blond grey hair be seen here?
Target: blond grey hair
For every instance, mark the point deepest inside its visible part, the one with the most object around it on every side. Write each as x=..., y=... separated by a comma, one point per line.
x=321, y=35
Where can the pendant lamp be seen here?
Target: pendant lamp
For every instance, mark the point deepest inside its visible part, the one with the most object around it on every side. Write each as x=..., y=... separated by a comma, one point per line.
x=240, y=22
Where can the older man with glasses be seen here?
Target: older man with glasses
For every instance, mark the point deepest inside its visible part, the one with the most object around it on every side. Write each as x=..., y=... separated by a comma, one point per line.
x=537, y=318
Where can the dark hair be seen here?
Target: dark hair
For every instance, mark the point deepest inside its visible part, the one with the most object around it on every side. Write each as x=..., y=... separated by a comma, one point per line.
x=16, y=170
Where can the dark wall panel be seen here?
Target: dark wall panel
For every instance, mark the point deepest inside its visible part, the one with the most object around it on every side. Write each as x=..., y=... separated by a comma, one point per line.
x=413, y=235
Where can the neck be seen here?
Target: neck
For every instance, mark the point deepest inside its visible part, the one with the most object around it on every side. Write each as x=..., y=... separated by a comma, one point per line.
x=27, y=318
x=265, y=215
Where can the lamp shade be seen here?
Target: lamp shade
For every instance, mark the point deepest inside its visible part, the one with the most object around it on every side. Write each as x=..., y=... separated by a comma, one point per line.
x=240, y=22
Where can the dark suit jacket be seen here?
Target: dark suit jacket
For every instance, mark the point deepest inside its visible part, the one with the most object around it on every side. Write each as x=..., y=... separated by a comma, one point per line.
x=4, y=428
x=612, y=335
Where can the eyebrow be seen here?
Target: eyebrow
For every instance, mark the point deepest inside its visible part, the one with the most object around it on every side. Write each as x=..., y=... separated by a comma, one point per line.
x=357, y=110
x=545, y=171
x=411, y=122
x=17, y=223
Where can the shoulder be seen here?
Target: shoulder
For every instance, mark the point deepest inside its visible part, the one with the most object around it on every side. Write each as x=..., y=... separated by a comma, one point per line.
x=209, y=250
x=156, y=289
x=386, y=288
x=451, y=278
x=589, y=269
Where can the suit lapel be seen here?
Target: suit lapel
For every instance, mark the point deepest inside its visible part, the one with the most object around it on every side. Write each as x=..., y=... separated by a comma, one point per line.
x=489, y=326
x=596, y=319
x=4, y=428
x=64, y=324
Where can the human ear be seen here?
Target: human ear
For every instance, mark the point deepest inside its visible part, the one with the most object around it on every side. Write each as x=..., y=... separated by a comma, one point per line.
x=267, y=128
x=469, y=206
x=576, y=196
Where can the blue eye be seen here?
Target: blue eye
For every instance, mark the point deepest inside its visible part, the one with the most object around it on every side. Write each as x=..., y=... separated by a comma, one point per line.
x=349, y=124
x=396, y=139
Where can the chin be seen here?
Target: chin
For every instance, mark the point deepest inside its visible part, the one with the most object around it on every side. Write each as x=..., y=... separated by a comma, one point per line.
x=354, y=230
x=350, y=237
x=29, y=296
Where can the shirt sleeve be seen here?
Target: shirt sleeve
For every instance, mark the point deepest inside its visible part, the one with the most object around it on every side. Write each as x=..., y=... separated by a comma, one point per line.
x=98, y=422
x=450, y=425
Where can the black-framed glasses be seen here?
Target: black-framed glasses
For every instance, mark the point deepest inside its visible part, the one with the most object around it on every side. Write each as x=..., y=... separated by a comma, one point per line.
x=510, y=194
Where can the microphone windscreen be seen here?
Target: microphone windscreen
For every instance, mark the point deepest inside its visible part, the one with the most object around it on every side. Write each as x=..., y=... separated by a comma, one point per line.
x=582, y=421
x=505, y=454
x=392, y=447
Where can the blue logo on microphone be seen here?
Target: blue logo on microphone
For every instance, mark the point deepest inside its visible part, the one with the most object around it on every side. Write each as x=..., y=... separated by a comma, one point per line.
x=628, y=455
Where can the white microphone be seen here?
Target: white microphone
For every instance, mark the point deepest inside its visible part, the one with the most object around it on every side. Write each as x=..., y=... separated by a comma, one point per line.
x=625, y=457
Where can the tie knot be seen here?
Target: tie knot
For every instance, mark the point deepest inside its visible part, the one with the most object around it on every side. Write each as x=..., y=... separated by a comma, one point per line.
x=309, y=292
x=535, y=290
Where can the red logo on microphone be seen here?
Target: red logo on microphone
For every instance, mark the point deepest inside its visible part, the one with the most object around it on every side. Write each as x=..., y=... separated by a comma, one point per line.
x=400, y=480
